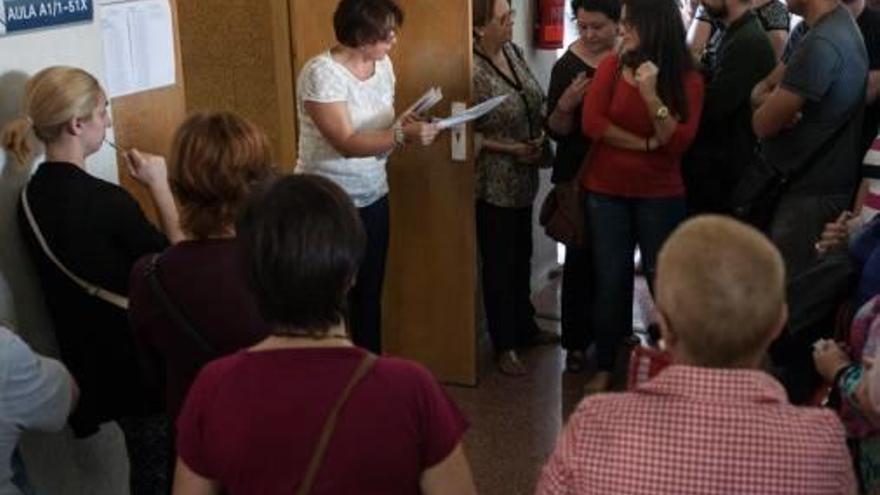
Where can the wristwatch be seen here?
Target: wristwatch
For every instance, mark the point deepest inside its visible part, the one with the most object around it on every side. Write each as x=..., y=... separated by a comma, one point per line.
x=662, y=113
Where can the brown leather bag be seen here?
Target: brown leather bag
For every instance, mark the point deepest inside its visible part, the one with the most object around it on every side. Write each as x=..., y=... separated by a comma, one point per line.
x=562, y=212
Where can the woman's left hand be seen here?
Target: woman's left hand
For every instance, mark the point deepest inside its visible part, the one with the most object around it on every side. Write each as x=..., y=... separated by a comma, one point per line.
x=829, y=358
x=646, y=78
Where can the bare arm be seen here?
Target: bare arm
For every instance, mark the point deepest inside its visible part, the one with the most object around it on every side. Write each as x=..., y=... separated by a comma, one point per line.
x=767, y=85
x=646, y=78
x=187, y=482
x=779, y=110
x=698, y=36
x=873, y=87
x=151, y=171
x=333, y=121
x=778, y=38
x=561, y=119
x=452, y=476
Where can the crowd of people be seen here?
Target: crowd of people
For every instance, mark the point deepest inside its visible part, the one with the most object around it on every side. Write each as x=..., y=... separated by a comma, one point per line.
x=265, y=290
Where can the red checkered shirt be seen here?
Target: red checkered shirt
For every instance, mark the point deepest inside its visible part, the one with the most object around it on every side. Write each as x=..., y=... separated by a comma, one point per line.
x=699, y=431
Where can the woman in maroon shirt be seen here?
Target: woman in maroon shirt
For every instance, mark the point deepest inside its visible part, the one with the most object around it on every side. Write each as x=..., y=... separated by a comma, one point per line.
x=253, y=420
x=642, y=112
x=217, y=158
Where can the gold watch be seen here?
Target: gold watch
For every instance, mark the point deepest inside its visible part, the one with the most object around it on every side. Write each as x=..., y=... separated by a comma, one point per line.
x=662, y=113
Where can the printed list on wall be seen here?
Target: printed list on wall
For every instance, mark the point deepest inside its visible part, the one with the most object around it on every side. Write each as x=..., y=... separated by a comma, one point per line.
x=17, y=16
x=138, y=38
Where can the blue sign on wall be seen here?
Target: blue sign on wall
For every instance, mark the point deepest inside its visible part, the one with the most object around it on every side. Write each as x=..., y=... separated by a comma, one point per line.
x=25, y=15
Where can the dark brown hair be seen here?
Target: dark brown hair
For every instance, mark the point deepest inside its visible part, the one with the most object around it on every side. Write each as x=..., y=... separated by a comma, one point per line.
x=216, y=160
x=302, y=241
x=662, y=41
x=482, y=12
x=363, y=22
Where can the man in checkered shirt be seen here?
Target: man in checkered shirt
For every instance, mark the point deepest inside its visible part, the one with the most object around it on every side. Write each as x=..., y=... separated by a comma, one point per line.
x=712, y=423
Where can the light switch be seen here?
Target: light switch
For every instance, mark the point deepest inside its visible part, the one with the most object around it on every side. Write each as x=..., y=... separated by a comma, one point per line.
x=458, y=134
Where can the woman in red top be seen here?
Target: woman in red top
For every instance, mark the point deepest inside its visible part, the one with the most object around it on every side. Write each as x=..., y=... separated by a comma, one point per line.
x=252, y=420
x=641, y=112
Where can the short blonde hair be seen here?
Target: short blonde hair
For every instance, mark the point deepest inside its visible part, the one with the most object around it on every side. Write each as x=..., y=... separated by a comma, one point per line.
x=52, y=98
x=721, y=287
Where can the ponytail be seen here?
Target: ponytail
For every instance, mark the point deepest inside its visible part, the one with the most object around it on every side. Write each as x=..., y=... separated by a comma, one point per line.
x=17, y=139
x=52, y=97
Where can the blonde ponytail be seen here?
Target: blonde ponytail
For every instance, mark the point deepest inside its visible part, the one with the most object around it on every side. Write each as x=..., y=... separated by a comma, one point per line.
x=52, y=98
x=17, y=139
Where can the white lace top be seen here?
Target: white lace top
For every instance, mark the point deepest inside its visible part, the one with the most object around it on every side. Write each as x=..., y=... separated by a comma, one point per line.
x=370, y=106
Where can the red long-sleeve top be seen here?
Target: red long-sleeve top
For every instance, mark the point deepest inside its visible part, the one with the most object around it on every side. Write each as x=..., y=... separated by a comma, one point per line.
x=619, y=172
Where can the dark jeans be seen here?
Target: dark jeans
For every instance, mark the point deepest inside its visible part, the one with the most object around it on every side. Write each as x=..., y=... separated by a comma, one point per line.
x=505, y=240
x=619, y=224
x=365, y=298
x=577, y=289
x=797, y=224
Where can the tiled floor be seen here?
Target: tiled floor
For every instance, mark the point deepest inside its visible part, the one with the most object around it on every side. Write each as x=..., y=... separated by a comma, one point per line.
x=515, y=420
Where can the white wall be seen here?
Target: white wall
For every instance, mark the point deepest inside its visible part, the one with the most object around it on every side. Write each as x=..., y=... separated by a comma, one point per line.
x=541, y=62
x=57, y=463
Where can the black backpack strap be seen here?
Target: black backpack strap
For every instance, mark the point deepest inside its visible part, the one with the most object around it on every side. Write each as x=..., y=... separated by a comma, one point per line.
x=172, y=311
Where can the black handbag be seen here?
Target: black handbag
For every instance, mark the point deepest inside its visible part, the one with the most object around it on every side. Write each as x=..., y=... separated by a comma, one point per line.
x=757, y=194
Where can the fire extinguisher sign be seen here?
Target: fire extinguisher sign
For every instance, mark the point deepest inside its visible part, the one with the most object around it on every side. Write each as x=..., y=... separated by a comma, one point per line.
x=550, y=24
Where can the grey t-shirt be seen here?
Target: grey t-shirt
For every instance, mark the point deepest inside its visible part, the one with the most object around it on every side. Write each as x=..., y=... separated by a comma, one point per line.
x=35, y=394
x=829, y=69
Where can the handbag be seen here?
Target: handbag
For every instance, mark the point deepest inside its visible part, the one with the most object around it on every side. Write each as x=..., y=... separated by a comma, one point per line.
x=330, y=425
x=757, y=194
x=562, y=214
x=562, y=211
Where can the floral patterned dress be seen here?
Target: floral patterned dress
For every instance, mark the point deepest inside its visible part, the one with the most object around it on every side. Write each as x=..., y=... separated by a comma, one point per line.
x=501, y=179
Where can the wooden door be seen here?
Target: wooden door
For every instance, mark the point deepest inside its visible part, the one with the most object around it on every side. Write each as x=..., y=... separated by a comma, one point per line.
x=429, y=304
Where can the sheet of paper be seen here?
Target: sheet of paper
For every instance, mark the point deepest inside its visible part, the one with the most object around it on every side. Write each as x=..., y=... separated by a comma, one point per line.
x=138, y=45
x=471, y=113
x=425, y=102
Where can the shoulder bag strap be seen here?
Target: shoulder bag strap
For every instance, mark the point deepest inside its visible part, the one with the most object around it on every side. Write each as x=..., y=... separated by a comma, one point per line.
x=330, y=424
x=92, y=289
x=171, y=309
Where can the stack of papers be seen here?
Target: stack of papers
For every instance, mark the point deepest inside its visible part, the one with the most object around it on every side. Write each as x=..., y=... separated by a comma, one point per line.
x=425, y=102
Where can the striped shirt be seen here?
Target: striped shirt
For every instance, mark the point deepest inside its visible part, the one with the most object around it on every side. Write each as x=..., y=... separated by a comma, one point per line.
x=871, y=174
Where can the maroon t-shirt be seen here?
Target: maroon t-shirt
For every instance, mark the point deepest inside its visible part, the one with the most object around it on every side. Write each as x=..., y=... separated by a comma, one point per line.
x=252, y=420
x=205, y=280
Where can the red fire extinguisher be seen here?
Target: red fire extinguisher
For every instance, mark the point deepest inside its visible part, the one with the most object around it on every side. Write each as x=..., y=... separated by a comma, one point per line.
x=550, y=24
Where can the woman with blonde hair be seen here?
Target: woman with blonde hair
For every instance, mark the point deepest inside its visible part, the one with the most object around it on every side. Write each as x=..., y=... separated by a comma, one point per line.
x=191, y=303
x=84, y=234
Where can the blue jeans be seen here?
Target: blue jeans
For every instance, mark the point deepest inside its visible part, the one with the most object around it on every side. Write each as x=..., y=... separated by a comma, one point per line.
x=618, y=224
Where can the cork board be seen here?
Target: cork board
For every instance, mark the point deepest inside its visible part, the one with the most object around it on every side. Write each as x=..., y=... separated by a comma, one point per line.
x=147, y=121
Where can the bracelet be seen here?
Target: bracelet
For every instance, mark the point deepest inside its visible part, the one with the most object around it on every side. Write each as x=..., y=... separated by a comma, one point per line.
x=835, y=382
x=399, y=137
